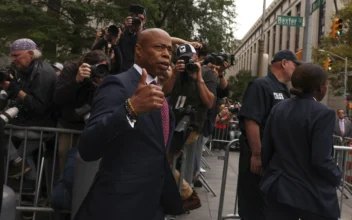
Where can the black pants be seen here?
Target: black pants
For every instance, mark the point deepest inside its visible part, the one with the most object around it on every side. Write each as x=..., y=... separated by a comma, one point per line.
x=251, y=202
x=279, y=211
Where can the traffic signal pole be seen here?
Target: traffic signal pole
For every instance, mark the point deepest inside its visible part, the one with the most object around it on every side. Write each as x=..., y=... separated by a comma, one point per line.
x=308, y=33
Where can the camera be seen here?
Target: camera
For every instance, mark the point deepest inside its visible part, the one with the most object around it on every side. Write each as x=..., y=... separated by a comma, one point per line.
x=233, y=109
x=136, y=21
x=99, y=70
x=113, y=30
x=191, y=66
x=83, y=112
x=5, y=74
x=187, y=121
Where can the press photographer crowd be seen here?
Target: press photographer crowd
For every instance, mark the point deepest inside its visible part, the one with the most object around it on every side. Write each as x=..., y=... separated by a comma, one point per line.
x=139, y=96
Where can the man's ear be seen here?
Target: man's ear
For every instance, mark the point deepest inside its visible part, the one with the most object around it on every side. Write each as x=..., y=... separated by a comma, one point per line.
x=138, y=50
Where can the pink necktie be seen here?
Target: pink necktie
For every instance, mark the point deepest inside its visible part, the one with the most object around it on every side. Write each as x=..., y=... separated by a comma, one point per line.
x=165, y=121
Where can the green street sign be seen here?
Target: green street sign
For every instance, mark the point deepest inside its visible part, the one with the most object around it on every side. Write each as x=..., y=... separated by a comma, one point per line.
x=289, y=21
x=316, y=4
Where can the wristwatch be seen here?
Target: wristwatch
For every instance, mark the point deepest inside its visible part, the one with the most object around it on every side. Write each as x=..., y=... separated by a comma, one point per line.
x=221, y=76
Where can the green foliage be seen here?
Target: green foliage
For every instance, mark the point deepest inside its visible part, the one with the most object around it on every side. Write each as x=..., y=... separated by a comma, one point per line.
x=64, y=29
x=342, y=47
x=238, y=84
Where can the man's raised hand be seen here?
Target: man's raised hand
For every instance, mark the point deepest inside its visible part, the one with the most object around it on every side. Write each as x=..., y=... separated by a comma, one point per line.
x=146, y=97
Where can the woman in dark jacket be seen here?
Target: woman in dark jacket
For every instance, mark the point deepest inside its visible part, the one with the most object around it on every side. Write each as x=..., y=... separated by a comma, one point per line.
x=301, y=175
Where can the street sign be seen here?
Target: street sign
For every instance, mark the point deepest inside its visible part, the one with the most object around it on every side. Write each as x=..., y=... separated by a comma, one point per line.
x=316, y=4
x=289, y=21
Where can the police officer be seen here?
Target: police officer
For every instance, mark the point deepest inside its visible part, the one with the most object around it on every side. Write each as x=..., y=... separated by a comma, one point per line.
x=261, y=95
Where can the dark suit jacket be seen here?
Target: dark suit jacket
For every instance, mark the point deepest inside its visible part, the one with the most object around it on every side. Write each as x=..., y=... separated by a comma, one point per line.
x=348, y=128
x=297, y=155
x=134, y=179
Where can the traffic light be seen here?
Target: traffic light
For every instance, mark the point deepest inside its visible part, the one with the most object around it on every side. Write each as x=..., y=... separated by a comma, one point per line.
x=299, y=54
x=336, y=28
x=327, y=64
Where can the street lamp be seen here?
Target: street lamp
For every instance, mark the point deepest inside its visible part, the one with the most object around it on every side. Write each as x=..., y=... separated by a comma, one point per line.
x=345, y=77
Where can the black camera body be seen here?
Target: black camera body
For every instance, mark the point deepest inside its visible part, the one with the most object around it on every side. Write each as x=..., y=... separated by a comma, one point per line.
x=191, y=66
x=136, y=21
x=5, y=74
x=99, y=70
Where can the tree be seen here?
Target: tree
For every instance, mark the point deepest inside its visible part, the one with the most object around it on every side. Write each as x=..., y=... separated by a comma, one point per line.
x=238, y=84
x=341, y=46
x=64, y=29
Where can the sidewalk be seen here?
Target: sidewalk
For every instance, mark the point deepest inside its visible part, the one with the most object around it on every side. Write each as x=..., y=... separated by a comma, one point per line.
x=210, y=204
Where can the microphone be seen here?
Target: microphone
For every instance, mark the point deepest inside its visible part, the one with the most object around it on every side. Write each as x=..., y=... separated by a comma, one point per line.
x=9, y=114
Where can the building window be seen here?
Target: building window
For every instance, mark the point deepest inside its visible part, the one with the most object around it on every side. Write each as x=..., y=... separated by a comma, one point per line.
x=268, y=43
x=298, y=9
x=288, y=34
x=321, y=30
x=274, y=40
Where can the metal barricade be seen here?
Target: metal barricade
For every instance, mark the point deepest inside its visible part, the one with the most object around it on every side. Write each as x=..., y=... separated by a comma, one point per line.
x=34, y=141
x=226, y=159
x=343, y=154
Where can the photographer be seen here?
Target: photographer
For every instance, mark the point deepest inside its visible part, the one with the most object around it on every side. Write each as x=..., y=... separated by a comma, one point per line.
x=75, y=89
x=31, y=90
x=133, y=25
x=188, y=87
x=108, y=43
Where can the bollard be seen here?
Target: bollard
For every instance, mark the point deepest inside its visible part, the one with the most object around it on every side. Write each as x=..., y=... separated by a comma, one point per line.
x=85, y=173
x=8, y=208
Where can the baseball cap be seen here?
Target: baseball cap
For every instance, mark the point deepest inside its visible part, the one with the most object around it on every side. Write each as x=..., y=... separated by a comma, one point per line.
x=58, y=66
x=185, y=50
x=286, y=55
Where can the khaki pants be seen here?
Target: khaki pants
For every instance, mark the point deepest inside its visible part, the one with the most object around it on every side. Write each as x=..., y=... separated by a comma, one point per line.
x=66, y=141
x=186, y=188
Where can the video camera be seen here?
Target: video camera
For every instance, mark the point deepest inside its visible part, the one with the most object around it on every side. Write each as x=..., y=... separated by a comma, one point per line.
x=83, y=112
x=136, y=21
x=99, y=70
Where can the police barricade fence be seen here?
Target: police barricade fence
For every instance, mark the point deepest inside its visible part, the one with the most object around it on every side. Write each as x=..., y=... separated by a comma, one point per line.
x=34, y=182
x=41, y=144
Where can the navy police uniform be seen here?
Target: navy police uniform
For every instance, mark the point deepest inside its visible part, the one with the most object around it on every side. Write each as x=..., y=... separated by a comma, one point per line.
x=260, y=97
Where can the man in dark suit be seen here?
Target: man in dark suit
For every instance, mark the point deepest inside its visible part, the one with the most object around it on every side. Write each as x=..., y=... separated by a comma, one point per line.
x=343, y=126
x=130, y=130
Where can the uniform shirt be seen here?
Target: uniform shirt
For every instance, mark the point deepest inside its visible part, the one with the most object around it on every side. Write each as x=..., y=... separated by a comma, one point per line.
x=261, y=95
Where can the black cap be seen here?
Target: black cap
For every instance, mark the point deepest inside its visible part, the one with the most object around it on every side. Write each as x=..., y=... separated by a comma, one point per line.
x=185, y=50
x=286, y=55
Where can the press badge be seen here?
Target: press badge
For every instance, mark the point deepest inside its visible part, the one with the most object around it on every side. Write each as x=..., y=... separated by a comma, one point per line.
x=180, y=102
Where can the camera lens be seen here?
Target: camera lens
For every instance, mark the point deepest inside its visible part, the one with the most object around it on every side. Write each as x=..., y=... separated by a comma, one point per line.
x=191, y=67
x=99, y=70
x=136, y=22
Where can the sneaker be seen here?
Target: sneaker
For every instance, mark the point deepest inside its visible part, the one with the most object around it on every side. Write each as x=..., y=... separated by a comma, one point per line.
x=193, y=202
x=202, y=170
x=15, y=169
